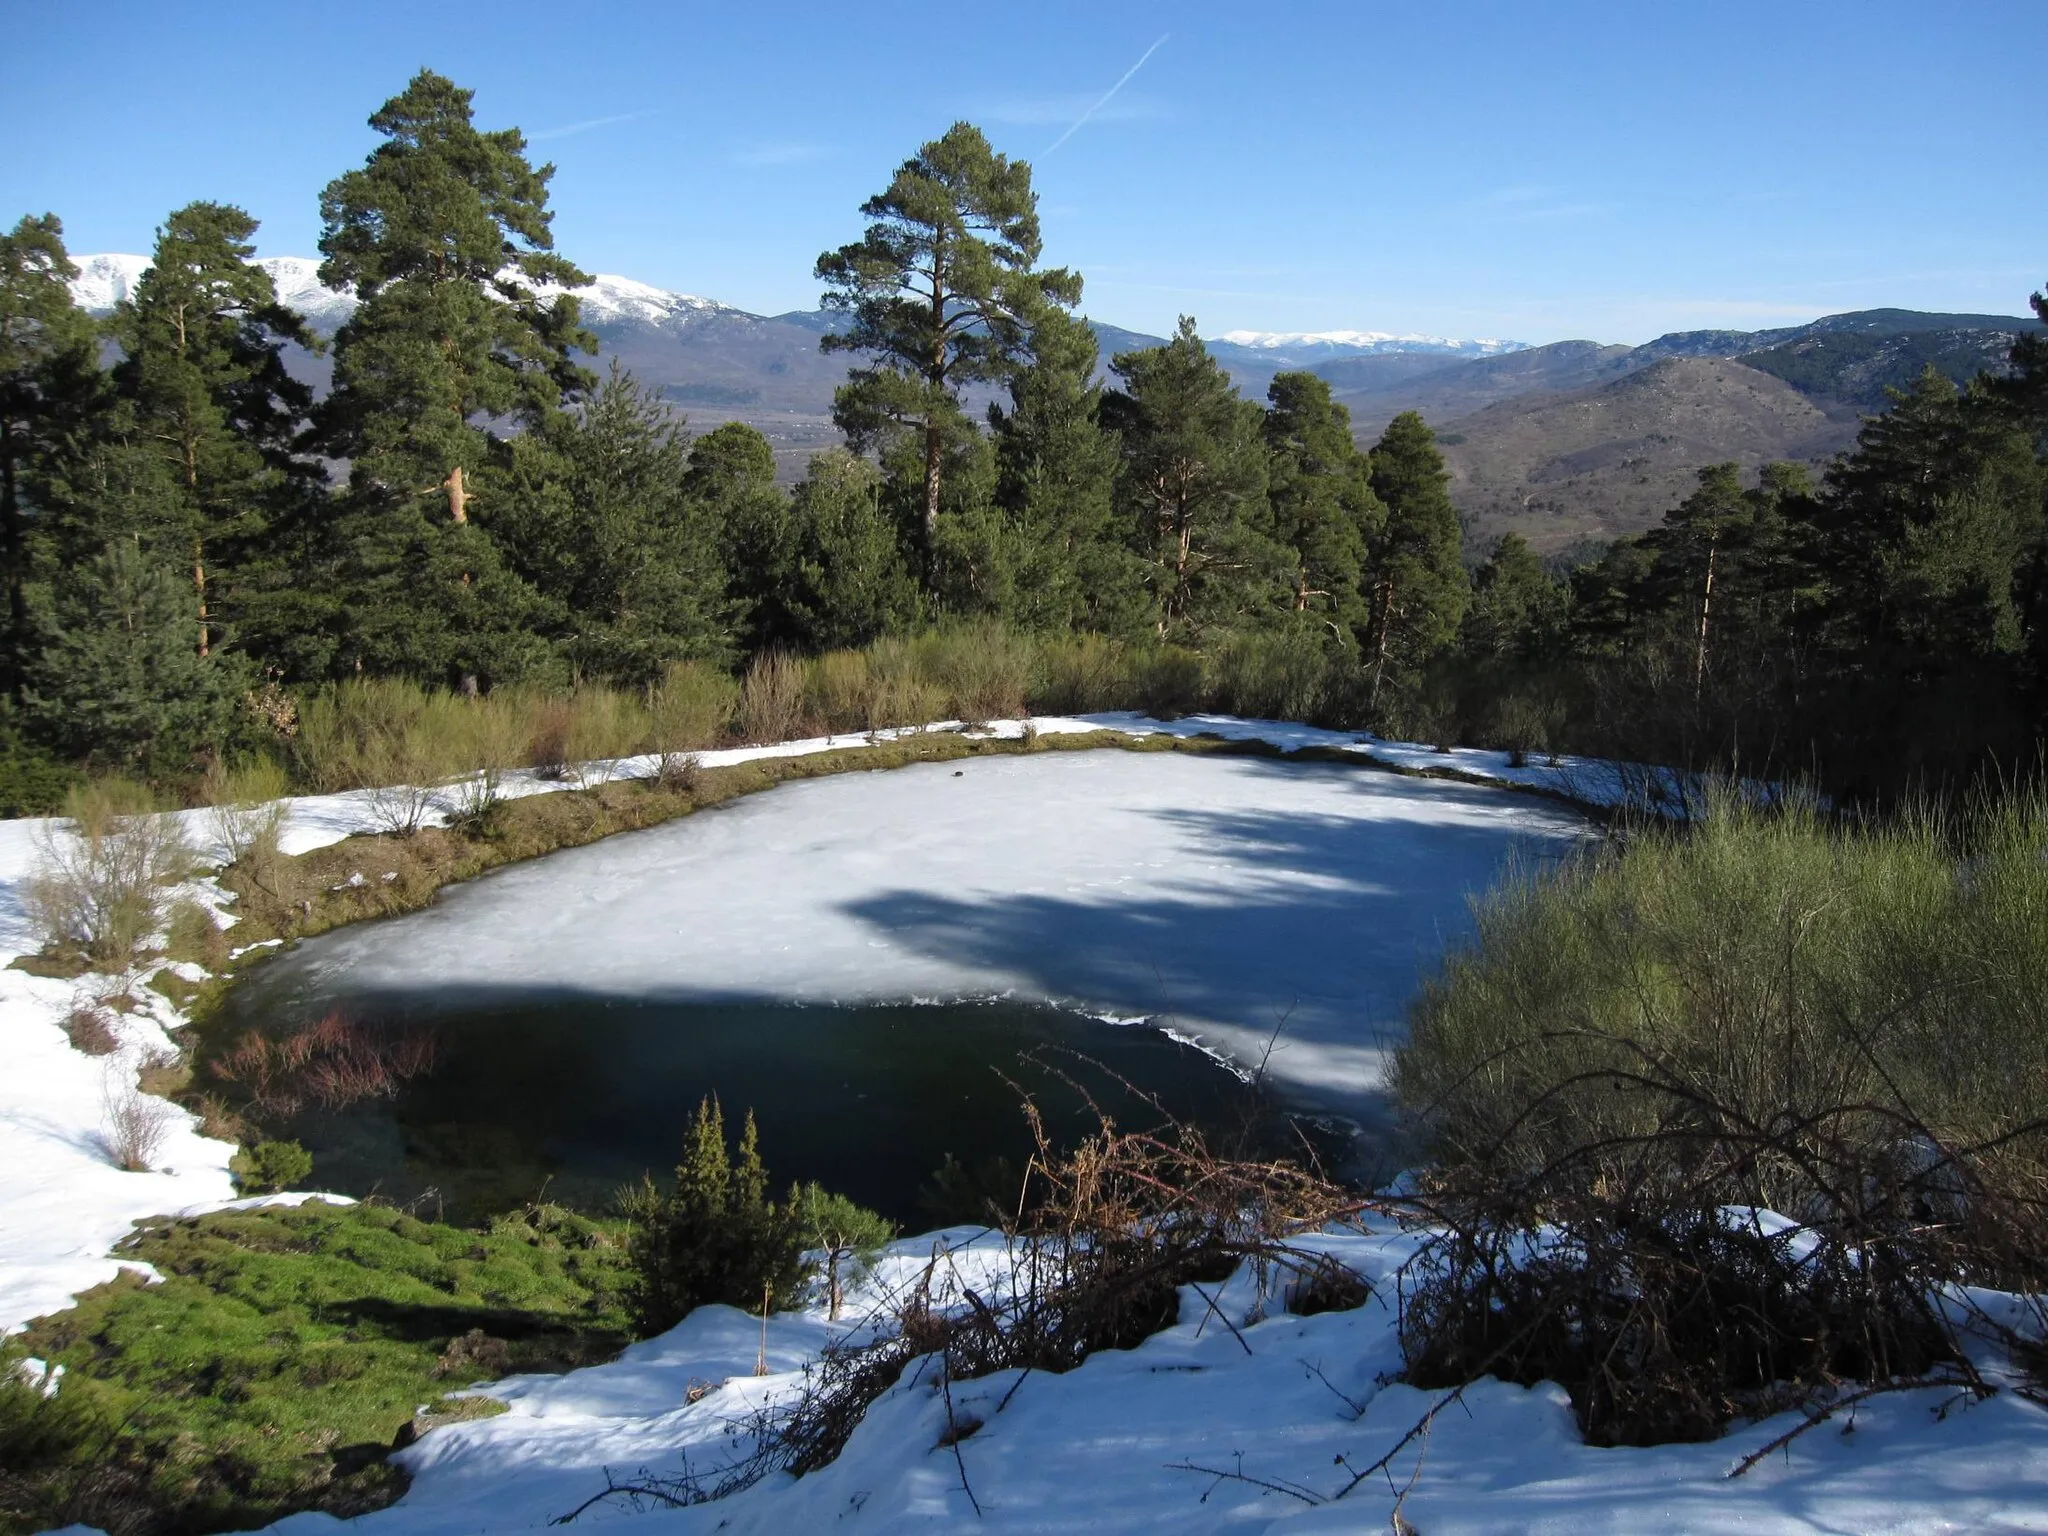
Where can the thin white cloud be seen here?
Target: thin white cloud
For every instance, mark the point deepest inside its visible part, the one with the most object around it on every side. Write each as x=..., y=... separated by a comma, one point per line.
x=1108, y=95
x=1062, y=108
x=1531, y=203
x=570, y=130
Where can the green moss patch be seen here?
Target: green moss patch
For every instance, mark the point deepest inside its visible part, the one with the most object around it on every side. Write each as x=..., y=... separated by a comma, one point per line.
x=284, y=1354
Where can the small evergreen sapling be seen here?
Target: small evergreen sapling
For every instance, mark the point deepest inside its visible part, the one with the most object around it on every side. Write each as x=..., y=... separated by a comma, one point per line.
x=848, y=1235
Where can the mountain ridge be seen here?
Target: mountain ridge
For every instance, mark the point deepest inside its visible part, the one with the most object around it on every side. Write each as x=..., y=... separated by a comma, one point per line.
x=1541, y=438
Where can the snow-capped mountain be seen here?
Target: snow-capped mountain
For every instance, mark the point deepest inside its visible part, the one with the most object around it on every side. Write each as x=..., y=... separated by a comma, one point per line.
x=1365, y=343
x=104, y=281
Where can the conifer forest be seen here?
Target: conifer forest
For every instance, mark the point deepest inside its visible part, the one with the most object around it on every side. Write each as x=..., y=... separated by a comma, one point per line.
x=195, y=548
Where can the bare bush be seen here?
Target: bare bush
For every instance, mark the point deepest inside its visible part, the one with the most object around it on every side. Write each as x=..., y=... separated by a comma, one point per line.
x=133, y=1125
x=690, y=709
x=104, y=874
x=1109, y=1235
x=245, y=806
x=90, y=1028
x=333, y=1064
x=772, y=698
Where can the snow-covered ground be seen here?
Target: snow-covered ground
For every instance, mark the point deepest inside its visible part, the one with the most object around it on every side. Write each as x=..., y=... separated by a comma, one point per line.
x=1235, y=889
x=1104, y=1448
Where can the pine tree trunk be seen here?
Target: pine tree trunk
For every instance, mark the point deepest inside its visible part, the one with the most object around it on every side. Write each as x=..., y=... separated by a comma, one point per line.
x=11, y=551
x=1699, y=664
x=1382, y=641
x=199, y=585
x=934, y=437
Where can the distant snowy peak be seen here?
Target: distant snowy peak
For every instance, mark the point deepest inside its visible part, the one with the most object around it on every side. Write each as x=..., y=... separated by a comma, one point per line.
x=613, y=300
x=1365, y=343
x=104, y=281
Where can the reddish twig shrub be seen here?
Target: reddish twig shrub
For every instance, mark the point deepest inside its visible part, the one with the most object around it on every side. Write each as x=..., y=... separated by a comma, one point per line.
x=332, y=1064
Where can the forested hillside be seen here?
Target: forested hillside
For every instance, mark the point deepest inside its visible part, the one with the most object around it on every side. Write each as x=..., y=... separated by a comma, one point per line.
x=482, y=498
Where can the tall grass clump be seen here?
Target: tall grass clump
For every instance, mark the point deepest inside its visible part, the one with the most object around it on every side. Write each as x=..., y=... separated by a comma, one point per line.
x=104, y=873
x=1079, y=675
x=1764, y=1009
x=839, y=692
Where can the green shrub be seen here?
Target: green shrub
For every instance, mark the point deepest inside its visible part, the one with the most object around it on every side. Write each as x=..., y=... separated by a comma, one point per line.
x=839, y=692
x=901, y=691
x=984, y=669
x=691, y=708
x=1079, y=675
x=1166, y=681
x=714, y=1235
x=270, y=1166
x=1868, y=989
x=1840, y=1022
x=1267, y=674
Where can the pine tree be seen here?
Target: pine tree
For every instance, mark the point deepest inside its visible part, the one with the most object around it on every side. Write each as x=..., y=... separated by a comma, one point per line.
x=1193, y=485
x=942, y=290
x=461, y=329
x=205, y=379
x=1929, y=530
x=118, y=679
x=1517, y=612
x=1057, y=485
x=49, y=389
x=852, y=582
x=714, y=1236
x=1322, y=500
x=1692, y=549
x=600, y=523
x=849, y=1235
x=731, y=483
x=1416, y=571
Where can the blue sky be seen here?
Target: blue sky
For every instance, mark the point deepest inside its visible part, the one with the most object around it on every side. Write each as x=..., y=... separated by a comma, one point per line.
x=1534, y=171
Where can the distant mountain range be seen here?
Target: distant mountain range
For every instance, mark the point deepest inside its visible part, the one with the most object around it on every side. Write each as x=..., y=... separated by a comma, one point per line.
x=1569, y=440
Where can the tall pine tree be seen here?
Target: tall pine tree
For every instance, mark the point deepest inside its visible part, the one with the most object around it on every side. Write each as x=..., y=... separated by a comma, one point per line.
x=1416, y=570
x=461, y=330
x=1057, y=485
x=49, y=389
x=209, y=396
x=941, y=291
x=601, y=524
x=1193, y=486
x=1322, y=500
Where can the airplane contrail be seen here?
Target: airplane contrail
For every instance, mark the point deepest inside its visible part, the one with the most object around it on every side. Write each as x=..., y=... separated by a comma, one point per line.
x=584, y=127
x=1126, y=80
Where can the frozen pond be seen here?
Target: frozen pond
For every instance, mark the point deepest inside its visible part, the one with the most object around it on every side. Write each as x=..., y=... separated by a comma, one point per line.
x=1221, y=898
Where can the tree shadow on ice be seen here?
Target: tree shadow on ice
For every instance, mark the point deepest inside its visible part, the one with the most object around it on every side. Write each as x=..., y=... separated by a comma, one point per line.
x=1324, y=927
